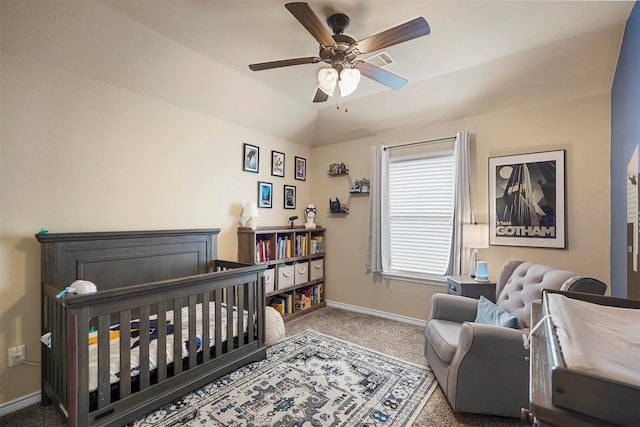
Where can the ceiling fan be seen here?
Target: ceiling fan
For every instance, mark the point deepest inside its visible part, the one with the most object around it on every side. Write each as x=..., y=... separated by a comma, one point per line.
x=342, y=51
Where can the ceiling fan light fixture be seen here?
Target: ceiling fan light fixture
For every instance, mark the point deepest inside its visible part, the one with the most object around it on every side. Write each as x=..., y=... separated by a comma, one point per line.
x=327, y=80
x=349, y=79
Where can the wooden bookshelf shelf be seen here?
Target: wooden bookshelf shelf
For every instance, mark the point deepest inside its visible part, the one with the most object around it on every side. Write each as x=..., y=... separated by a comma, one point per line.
x=294, y=279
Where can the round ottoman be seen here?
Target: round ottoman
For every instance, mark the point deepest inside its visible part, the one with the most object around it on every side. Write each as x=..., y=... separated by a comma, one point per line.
x=273, y=326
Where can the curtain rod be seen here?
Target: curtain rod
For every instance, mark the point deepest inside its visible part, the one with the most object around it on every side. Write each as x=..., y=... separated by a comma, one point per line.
x=431, y=141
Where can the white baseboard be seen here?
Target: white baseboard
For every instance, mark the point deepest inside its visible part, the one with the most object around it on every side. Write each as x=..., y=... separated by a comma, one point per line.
x=377, y=313
x=19, y=403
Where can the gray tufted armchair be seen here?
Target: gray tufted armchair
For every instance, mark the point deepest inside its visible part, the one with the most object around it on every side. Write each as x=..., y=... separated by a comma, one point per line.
x=483, y=368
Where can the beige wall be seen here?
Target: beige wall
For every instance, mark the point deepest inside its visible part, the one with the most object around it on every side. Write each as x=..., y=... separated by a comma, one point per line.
x=581, y=127
x=80, y=155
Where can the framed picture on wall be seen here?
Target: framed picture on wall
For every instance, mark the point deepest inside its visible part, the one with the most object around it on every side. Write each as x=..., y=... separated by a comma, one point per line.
x=289, y=197
x=265, y=194
x=250, y=158
x=301, y=168
x=277, y=163
x=527, y=200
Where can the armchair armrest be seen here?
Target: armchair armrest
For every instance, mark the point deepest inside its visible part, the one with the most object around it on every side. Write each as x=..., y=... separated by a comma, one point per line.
x=453, y=307
x=489, y=371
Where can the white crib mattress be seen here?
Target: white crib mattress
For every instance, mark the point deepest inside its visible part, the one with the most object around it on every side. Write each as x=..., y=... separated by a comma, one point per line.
x=597, y=339
x=114, y=347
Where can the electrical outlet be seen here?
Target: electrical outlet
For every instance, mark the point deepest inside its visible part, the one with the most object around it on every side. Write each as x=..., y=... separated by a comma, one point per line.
x=17, y=355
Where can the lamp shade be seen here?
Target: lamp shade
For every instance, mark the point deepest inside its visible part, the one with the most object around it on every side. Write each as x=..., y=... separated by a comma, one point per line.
x=327, y=80
x=475, y=235
x=250, y=210
x=349, y=79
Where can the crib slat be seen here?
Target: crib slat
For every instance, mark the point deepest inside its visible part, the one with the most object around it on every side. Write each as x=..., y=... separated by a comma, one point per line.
x=206, y=316
x=104, y=386
x=72, y=362
x=193, y=300
x=125, y=355
x=162, y=341
x=251, y=289
x=260, y=303
x=230, y=303
x=218, y=321
x=241, y=309
x=177, y=336
x=145, y=376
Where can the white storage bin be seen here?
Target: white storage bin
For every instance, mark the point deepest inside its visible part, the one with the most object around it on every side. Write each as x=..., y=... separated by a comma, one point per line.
x=285, y=276
x=301, y=272
x=316, y=269
x=269, y=280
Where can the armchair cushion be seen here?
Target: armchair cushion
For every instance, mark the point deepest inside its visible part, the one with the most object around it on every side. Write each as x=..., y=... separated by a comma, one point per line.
x=491, y=314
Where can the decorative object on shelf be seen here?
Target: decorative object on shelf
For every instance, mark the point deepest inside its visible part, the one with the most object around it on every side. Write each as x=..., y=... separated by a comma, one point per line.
x=359, y=185
x=310, y=214
x=301, y=169
x=355, y=187
x=338, y=169
x=265, y=194
x=291, y=219
x=475, y=236
x=364, y=185
x=277, y=163
x=527, y=200
x=250, y=158
x=337, y=207
x=289, y=197
x=249, y=211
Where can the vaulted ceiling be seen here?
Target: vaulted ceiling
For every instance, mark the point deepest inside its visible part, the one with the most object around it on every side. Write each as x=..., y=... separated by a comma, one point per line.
x=481, y=57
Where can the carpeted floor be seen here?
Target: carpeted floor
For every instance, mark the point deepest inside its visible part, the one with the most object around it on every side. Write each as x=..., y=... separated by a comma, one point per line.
x=397, y=339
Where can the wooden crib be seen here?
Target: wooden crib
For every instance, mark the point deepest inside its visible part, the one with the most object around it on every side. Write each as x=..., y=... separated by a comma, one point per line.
x=157, y=279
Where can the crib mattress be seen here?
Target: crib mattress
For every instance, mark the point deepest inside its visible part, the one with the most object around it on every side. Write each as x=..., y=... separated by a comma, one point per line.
x=596, y=348
x=116, y=330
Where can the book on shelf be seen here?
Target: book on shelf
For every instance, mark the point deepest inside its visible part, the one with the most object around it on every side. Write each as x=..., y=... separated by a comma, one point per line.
x=315, y=245
x=263, y=250
x=285, y=247
x=301, y=245
x=278, y=305
x=283, y=303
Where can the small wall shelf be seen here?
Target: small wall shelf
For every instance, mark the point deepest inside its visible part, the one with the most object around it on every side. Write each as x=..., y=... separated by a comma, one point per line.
x=353, y=187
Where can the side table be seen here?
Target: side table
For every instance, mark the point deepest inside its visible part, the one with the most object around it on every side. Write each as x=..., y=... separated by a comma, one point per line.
x=468, y=287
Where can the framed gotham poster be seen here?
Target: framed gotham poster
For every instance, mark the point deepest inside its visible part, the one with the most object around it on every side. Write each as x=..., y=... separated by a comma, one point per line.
x=527, y=200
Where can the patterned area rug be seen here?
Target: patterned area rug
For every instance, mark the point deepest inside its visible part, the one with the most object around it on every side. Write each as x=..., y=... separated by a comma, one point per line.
x=309, y=379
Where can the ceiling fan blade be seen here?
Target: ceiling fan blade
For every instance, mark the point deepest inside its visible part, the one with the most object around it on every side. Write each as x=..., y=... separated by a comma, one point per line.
x=284, y=63
x=376, y=73
x=320, y=96
x=310, y=21
x=408, y=31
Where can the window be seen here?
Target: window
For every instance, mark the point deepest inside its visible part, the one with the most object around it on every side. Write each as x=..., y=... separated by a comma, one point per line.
x=421, y=208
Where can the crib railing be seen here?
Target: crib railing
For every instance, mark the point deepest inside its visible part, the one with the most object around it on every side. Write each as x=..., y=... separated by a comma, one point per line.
x=66, y=362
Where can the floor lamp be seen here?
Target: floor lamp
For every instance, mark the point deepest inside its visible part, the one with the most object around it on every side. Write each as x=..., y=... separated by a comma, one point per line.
x=476, y=236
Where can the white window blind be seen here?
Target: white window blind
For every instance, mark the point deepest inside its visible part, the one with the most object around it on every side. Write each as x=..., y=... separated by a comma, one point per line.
x=421, y=202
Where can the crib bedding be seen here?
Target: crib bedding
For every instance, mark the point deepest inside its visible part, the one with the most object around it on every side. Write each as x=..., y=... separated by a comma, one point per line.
x=116, y=331
x=582, y=327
